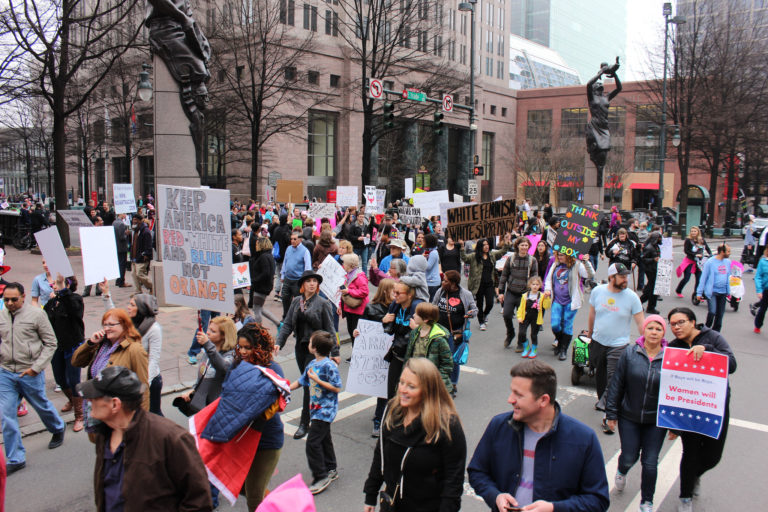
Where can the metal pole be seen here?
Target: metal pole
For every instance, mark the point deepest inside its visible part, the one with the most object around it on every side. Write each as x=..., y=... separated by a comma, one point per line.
x=663, y=132
x=472, y=133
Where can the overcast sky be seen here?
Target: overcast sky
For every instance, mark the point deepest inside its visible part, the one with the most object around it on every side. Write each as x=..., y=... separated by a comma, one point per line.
x=645, y=26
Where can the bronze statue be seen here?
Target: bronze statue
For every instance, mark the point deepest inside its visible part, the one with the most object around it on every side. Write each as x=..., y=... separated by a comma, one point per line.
x=598, y=134
x=177, y=39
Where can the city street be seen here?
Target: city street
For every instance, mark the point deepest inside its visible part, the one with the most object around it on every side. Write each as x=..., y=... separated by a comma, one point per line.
x=62, y=479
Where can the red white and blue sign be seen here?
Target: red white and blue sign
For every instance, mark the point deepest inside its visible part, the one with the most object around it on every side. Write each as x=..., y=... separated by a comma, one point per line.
x=692, y=393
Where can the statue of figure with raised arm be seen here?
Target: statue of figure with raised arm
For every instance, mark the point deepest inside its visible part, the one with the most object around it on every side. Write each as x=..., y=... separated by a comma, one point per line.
x=177, y=39
x=598, y=134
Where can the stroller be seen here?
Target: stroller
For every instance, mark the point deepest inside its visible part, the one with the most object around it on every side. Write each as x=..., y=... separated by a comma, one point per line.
x=580, y=358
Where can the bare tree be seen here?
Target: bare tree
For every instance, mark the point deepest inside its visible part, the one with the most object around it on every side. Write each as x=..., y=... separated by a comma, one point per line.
x=29, y=124
x=58, y=41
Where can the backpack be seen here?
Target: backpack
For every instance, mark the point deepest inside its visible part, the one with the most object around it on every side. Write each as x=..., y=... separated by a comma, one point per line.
x=276, y=251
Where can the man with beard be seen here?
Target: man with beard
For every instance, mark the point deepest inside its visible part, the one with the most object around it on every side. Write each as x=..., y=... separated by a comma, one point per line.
x=611, y=309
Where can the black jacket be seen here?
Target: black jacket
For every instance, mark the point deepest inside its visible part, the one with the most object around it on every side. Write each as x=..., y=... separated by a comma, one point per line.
x=651, y=250
x=141, y=251
x=712, y=341
x=433, y=474
x=65, y=311
x=262, y=272
x=282, y=236
x=375, y=312
x=634, y=390
x=627, y=252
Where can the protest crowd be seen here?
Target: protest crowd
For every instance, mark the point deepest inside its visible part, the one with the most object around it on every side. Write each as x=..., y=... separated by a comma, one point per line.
x=426, y=284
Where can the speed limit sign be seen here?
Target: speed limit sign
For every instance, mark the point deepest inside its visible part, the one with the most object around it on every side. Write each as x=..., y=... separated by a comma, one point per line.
x=375, y=89
x=448, y=102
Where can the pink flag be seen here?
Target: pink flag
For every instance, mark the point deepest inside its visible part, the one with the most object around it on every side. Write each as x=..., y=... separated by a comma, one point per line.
x=291, y=496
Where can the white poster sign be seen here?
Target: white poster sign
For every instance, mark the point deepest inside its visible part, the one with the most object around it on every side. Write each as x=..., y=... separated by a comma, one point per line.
x=370, y=199
x=457, y=198
x=195, y=241
x=408, y=188
x=241, y=275
x=319, y=210
x=125, y=202
x=381, y=200
x=368, y=369
x=666, y=248
x=99, y=249
x=49, y=242
x=664, y=271
x=429, y=202
x=347, y=196
x=333, y=277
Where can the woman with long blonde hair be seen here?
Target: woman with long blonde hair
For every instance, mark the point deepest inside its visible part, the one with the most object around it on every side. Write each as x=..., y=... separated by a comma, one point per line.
x=694, y=248
x=421, y=453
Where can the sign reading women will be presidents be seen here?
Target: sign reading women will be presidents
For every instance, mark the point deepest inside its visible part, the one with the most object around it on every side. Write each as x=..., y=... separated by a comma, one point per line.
x=196, y=247
x=577, y=231
x=692, y=393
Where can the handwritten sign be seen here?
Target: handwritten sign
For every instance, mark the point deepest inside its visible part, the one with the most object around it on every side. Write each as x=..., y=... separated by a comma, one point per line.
x=444, y=209
x=367, y=368
x=347, y=196
x=195, y=243
x=241, y=275
x=49, y=242
x=577, y=231
x=664, y=271
x=381, y=200
x=370, y=199
x=692, y=393
x=483, y=220
x=125, y=202
x=409, y=215
x=318, y=211
x=666, y=249
x=99, y=249
x=429, y=202
x=333, y=276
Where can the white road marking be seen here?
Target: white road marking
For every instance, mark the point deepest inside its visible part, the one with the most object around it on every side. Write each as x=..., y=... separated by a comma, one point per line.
x=343, y=413
x=472, y=369
x=668, y=471
x=610, y=470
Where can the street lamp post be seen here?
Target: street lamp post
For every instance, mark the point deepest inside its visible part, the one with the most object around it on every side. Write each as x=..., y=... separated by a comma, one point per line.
x=677, y=20
x=470, y=6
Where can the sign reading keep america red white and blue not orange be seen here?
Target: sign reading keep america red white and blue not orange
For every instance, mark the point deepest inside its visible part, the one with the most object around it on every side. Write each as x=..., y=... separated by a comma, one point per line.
x=692, y=393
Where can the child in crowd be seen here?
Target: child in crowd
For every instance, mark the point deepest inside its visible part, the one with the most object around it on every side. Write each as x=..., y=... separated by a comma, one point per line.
x=322, y=377
x=531, y=313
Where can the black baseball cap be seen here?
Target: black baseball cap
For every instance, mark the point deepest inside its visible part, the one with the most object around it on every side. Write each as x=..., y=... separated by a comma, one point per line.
x=113, y=381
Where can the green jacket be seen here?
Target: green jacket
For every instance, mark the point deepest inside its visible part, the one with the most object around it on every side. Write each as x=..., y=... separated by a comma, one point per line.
x=438, y=351
x=476, y=267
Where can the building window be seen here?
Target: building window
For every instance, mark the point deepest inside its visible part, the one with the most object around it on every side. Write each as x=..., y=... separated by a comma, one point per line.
x=500, y=48
x=463, y=24
x=423, y=9
x=438, y=46
x=648, y=116
x=500, y=69
x=321, y=149
x=487, y=155
x=423, y=43
x=307, y=11
x=335, y=79
x=310, y=17
x=313, y=77
x=290, y=73
x=463, y=54
x=287, y=8
x=539, y=124
x=389, y=84
x=331, y=23
x=405, y=37
x=503, y=111
x=617, y=120
x=646, y=159
x=493, y=110
x=573, y=122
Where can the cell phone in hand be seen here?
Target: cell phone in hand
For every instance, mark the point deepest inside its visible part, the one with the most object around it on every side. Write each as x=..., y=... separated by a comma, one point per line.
x=510, y=508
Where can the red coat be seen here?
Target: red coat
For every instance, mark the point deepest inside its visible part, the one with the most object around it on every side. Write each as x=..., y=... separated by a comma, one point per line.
x=358, y=288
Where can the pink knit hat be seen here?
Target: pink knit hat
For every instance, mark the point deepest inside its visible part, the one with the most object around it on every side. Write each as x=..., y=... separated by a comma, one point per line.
x=655, y=318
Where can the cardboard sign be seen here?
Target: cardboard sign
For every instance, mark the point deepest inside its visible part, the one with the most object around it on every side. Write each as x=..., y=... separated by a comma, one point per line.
x=347, y=196
x=99, y=249
x=74, y=219
x=195, y=241
x=367, y=368
x=333, y=277
x=49, y=242
x=241, y=275
x=124, y=200
x=577, y=231
x=664, y=271
x=409, y=215
x=429, y=202
x=481, y=220
x=444, y=209
x=289, y=191
x=692, y=393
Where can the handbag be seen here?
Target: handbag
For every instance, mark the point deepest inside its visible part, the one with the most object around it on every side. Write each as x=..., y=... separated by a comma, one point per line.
x=350, y=301
x=388, y=502
x=461, y=353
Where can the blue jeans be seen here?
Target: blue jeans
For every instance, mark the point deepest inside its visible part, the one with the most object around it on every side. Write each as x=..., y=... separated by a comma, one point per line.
x=715, y=311
x=205, y=317
x=65, y=375
x=33, y=389
x=637, y=438
x=593, y=259
x=364, y=259
x=562, y=318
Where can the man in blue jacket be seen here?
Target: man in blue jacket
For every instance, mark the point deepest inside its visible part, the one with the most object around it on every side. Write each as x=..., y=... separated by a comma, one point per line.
x=537, y=457
x=715, y=285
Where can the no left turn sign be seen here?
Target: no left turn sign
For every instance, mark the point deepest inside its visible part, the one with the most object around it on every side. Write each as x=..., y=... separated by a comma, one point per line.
x=375, y=89
x=447, y=102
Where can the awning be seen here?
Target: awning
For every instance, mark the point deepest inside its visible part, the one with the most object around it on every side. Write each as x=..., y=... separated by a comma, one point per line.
x=644, y=186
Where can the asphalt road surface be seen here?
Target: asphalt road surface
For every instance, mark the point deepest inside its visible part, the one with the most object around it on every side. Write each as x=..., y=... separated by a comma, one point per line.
x=62, y=479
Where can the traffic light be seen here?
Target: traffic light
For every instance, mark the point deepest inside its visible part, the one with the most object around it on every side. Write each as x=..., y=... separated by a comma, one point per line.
x=389, y=115
x=437, y=124
x=477, y=170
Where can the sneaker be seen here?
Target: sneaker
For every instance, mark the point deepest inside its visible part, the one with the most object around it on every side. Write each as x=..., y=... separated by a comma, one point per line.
x=532, y=353
x=555, y=344
x=646, y=506
x=483, y=326
x=333, y=475
x=685, y=505
x=14, y=467
x=192, y=360
x=562, y=355
x=319, y=486
x=680, y=295
x=56, y=440
x=278, y=299
x=526, y=350
x=757, y=330
x=606, y=428
x=57, y=389
x=22, y=410
x=620, y=482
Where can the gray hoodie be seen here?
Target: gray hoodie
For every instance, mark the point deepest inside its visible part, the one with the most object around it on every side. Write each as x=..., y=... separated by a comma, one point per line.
x=416, y=277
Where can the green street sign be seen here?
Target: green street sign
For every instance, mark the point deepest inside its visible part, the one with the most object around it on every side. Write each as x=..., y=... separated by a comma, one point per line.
x=414, y=95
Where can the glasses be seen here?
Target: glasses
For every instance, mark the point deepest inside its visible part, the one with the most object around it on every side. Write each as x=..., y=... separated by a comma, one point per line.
x=111, y=325
x=679, y=323
x=11, y=299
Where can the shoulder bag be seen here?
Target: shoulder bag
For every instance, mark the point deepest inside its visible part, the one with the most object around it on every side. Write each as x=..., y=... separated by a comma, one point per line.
x=388, y=502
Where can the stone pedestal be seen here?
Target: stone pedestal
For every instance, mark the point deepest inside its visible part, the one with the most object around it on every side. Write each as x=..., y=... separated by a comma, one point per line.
x=74, y=220
x=592, y=193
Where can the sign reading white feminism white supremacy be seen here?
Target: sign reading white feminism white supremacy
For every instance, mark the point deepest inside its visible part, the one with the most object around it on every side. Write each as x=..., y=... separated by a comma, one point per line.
x=196, y=247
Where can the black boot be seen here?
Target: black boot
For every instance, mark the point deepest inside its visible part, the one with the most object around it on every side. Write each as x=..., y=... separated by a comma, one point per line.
x=562, y=351
x=509, y=323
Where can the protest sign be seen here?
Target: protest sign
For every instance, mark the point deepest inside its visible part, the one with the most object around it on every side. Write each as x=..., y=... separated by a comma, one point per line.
x=370, y=199
x=534, y=239
x=49, y=242
x=664, y=271
x=692, y=393
x=124, y=200
x=333, y=276
x=577, y=231
x=409, y=215
x=195, y=242
x=381, y=200
x=481, y=220
x=457, y=198
x=241, y=275
x=319, y=210
x=502, y=260
x=289, y=191
x=74, y=219
x=297, y=223
x=429, y=202
x=347, y=196
x=408, y=188
x=99, y=249
x=666, y=248
x=444, y=209
x=367, y=368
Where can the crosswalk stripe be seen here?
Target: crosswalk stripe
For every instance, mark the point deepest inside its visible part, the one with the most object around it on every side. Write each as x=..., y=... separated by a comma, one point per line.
x=472, y=369
x=610, y=470
x=748, y=424
x=296, y=413
x=343, y=413
x=668, y=471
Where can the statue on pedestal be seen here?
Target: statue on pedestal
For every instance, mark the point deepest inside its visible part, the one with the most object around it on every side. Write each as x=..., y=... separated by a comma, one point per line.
x=598, y=134
x=178, y=40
